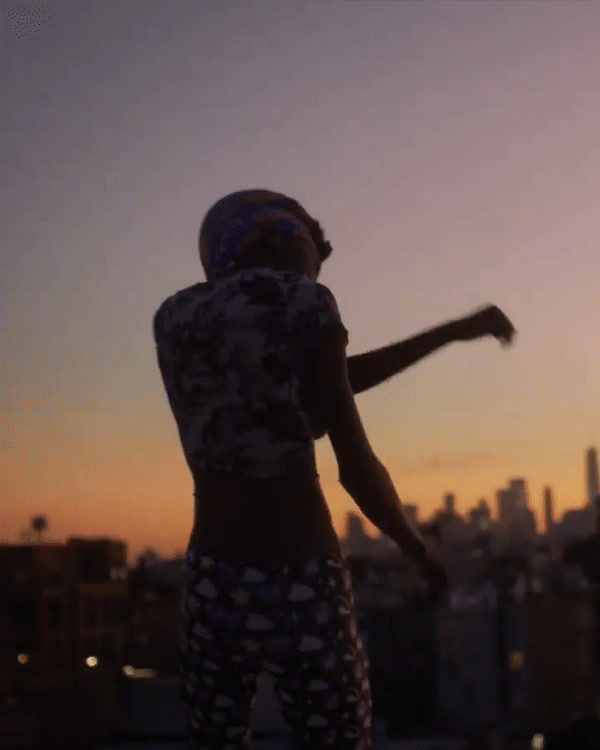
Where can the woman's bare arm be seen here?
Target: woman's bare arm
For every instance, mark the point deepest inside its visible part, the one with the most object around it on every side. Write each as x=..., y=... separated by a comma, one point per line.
x=374, y=367
x=371, y=368
x=361, y=473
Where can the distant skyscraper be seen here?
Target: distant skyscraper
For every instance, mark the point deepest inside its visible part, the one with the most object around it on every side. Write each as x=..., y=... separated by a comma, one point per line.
x=449, y=503
x=517, y=521
x=575, y=524
x=480, y=517
x=593, y=488
x=518, y=489
x=592, y=476
x=355, y=528
x=548, y=510
x=512, y=501
x=356, y=541
x=505, y=505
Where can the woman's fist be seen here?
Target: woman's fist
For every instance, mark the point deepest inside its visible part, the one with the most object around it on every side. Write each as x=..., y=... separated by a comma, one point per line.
x=488, y=321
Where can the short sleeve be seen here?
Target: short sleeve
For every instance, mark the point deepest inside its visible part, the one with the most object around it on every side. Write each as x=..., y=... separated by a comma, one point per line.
x=162, y=322
x=329, y=314
x=318, y=314
x=157, y=323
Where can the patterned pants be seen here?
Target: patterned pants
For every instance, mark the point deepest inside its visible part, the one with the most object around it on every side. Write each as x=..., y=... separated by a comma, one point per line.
x=296, y=622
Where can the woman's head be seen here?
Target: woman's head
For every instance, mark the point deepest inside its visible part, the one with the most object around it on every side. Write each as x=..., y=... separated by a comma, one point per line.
x=258, y=227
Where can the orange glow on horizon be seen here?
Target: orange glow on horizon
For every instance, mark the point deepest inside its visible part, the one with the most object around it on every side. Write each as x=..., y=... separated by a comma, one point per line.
x=155, y=509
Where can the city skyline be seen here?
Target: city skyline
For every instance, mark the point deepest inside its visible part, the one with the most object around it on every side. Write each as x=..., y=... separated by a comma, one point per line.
x=449, y=150
x=411, y=511
x=517, y=495
x=494, y=635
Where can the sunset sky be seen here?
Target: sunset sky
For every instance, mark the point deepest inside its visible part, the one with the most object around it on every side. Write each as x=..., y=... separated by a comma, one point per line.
x=449, y=149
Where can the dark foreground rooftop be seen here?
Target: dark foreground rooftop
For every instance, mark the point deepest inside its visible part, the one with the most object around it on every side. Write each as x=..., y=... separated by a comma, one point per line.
x=145, y=728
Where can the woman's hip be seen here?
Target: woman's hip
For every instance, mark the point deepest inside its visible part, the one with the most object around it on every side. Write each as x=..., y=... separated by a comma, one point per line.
x=227, y=598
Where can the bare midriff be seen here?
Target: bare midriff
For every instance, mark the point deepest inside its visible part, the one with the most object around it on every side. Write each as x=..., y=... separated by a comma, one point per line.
x=273, y=519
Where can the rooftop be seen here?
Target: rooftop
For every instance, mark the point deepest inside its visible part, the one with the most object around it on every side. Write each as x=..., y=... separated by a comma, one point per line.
x=145, y=728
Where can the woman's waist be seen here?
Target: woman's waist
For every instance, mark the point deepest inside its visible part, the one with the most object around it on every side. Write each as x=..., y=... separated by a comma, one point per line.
x=233, y=484
x=291, y=504
x=282, y=498
x=277, y=523
x=249, y=456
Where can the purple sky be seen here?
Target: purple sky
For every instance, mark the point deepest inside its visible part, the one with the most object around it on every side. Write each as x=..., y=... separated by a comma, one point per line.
x=451, y=152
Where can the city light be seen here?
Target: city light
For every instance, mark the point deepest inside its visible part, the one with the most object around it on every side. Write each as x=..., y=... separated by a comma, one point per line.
x=91, y=661
x=516, y=660
x=23, y=658
x=537, y=742
x=138, y=674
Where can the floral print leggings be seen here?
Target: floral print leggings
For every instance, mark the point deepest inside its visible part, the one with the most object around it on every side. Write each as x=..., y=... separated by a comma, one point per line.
x=295, y=621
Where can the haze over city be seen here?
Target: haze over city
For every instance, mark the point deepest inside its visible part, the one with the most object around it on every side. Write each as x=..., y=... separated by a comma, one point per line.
x=448, y=149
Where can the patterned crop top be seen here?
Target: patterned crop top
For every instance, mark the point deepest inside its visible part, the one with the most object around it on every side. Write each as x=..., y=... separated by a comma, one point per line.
x=235, y=358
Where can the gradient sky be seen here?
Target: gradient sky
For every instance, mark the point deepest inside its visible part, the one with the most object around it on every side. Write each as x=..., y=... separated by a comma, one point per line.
x=450, y=150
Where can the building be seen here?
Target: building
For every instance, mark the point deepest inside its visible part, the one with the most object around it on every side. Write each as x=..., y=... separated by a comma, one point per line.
x=518, y=490
x=575, y=524
x=505, y=505
x=512, y=501
x=465, y=562
x=480, y=518
x=401, y=644
x=517, y=522
x=64, y=628
x=155, y=601
x=101, y=559
x=356, y=541
x=65, y=603
x=469, y=673
x=452, y=528
x=483, y=666
x=449, y=504
x=548, y=510
x=552, y=529
x=593, y=487
x=522, y=530
x=562, y=655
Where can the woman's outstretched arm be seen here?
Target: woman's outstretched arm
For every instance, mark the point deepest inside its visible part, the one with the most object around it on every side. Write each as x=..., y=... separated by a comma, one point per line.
x=371, y=368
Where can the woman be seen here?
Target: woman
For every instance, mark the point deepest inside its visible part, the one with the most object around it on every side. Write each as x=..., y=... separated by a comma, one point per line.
x=254, y=366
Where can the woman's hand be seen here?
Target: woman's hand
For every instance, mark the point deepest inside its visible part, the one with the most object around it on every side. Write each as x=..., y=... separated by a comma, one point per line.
x=434, y=573
x=488, y=321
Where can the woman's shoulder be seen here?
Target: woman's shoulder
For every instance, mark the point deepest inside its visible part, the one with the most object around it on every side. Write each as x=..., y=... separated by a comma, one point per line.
x=314, y=294
x=174, y=308
x=317, y=309
x=181, y=296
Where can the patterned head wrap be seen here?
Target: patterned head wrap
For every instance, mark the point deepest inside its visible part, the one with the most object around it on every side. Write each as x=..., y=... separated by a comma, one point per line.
x=238, y=220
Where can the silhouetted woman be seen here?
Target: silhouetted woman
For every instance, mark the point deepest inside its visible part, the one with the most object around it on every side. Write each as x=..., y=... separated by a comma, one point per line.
x=254, y=366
